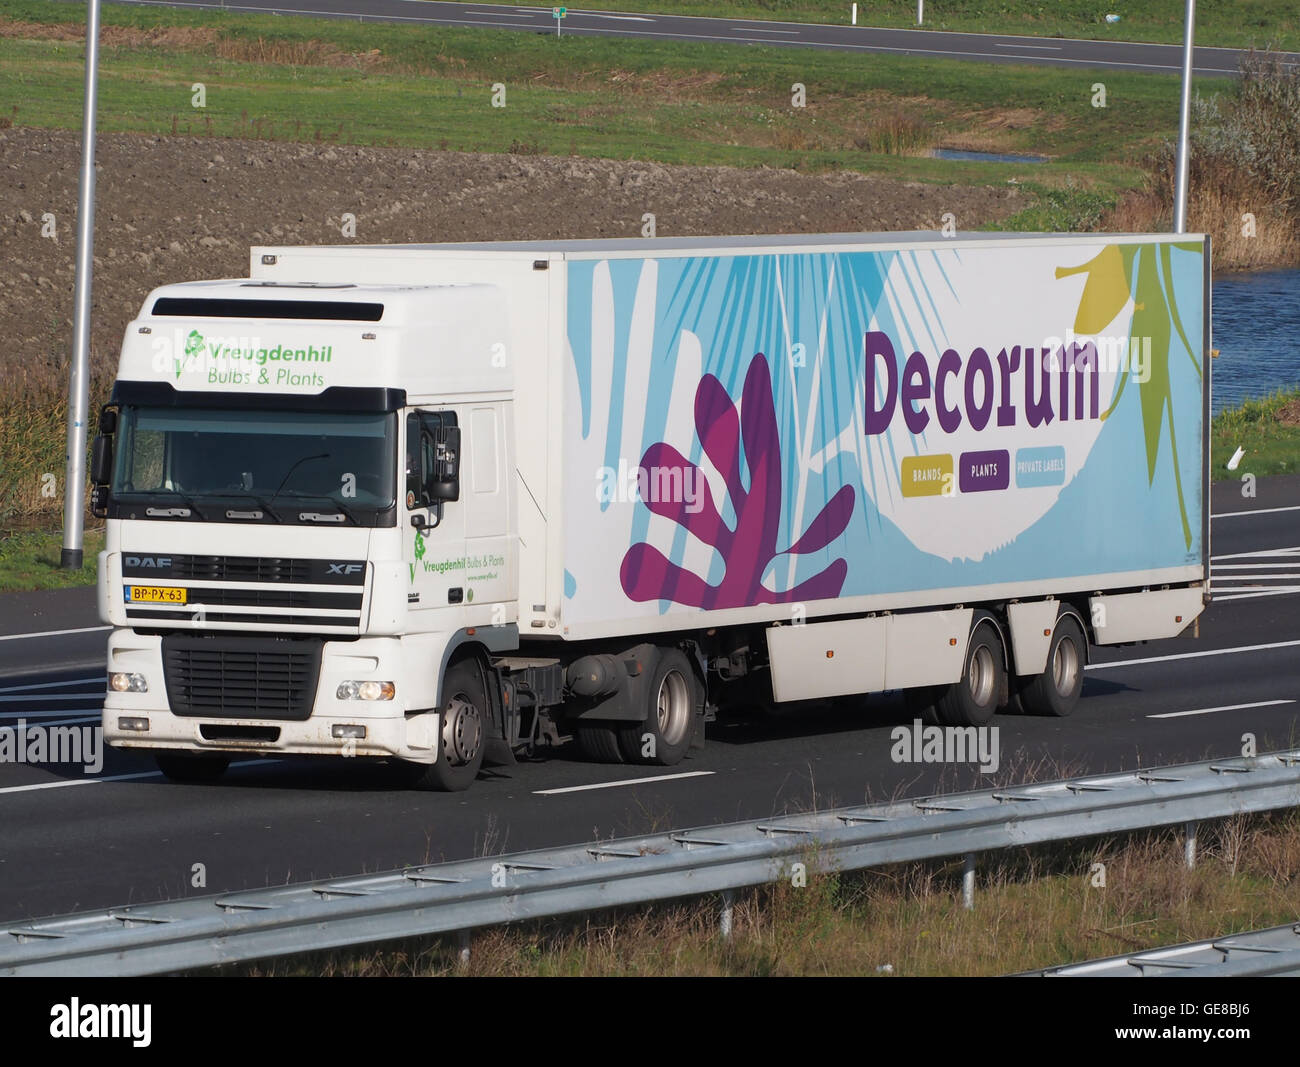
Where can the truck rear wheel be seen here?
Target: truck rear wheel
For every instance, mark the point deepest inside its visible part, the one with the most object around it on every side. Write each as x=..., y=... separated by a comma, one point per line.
x=183, y=767
x=1056, y=691
x=462, y=734
x=665, y=734
x=974, y=698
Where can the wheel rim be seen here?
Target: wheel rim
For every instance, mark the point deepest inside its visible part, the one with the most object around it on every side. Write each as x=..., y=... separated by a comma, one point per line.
x=462, y=731
x=1065, y=667
x=981, y=675
x=673, y=707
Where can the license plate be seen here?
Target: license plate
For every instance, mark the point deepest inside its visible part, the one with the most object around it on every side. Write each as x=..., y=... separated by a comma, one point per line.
x=155, y=594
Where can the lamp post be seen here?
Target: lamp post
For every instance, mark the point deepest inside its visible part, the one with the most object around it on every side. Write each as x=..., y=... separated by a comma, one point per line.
x=1184, y=120
x=74, y=488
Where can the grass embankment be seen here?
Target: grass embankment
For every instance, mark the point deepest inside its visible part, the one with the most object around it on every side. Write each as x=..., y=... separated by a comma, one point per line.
x=29, y=559
x=306, y=79
x=1267, y=430
x=1032, y=909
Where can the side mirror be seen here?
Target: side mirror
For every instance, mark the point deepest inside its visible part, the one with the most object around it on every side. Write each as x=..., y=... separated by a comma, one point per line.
x=101, y=461
x=108, y=421
x=444, y=480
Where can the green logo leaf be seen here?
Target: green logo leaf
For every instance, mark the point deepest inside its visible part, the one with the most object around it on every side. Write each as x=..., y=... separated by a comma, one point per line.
x=1144, y=272
x=419, y=545
x=193, y=344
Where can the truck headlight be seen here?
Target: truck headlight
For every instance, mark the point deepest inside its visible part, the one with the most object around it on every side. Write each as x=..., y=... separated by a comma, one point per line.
x=365, y=691
x=123, y=682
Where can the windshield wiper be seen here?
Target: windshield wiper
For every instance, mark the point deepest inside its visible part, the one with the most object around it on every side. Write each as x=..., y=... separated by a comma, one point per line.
x=293, y=467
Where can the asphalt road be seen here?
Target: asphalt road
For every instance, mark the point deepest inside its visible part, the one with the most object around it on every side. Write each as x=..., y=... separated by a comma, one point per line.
x=74, y=841
x=1053, y=51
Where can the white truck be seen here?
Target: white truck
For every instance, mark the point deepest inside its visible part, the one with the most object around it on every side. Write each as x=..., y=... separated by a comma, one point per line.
x=431, y=503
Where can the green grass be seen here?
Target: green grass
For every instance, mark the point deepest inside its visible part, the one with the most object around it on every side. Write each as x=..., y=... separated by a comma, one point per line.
x=1226, y=23
x=670, y=102
x=30, y=560
x=1271, y=445
x=1065, y=209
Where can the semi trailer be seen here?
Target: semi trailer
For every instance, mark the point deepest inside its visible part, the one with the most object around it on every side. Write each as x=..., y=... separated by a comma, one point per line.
x=437, y=504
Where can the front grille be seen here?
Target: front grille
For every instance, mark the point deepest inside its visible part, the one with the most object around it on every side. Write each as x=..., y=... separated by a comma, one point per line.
x=162, y=568
x=241, y=677
x=241, y=569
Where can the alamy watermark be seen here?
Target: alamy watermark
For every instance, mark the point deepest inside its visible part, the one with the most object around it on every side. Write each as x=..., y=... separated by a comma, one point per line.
x=53, y=744
x=946, y=744
x=653, y=485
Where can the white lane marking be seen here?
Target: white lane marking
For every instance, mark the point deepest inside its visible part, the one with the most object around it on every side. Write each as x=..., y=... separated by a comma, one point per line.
x=1045, y=47
x=1285, y=590
x=110, y=778
x=762, y=29
x=617, y=18
x=1261, y=554
x=55, y=633
x=56, y=685
x=1226, y=707
x=1217, y=576
x=1253, y=511
x=79, y=781
x=626, y=781
x=1189, y=655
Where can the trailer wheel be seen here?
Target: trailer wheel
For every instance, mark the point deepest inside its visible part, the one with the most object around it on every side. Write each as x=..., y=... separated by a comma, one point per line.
x=1056, y=691
x=599, y=742
x=974, y=698
x=665, y=734
x=182, y=767
x=463, y=733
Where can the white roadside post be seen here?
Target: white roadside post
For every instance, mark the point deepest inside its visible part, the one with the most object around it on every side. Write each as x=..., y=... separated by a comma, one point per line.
x=74, y=485
x=920, y=11
x=1184, y=120
x=854, y=20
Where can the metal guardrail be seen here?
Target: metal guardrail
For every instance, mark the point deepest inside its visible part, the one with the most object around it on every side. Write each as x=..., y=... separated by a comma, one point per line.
x=206, y=931
x=1273, y=952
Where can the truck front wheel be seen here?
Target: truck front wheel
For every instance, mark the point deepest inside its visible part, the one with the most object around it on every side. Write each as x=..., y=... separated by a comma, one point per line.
x=665, y=734
x=462, y=734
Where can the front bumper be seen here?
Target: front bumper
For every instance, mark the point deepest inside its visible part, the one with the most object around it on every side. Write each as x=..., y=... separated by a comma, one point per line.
x=392, y=730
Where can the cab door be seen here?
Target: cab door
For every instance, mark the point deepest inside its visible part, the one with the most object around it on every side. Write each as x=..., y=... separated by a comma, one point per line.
x=434, y=531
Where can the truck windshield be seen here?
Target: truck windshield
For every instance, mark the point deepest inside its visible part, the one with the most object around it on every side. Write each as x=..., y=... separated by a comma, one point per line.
x=292, y=466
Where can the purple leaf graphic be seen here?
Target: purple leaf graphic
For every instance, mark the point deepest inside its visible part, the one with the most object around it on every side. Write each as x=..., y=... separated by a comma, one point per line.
x=749, y=549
